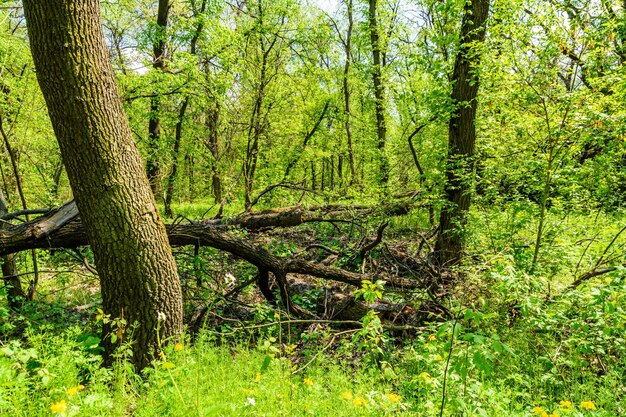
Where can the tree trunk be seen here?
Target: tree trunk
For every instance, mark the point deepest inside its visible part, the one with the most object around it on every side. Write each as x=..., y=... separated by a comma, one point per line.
x=346, y=92
x=461, y=136
x=153, y=163
x=171, y=179
x=32, y=287
x=212, y=123
x=379, y=91
x=12, y=283
x=138, y=276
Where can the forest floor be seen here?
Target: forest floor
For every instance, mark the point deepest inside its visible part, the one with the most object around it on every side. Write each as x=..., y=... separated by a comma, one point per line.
x=514, y=343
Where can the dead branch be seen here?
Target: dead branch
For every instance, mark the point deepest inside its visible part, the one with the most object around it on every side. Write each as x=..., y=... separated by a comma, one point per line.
x=591, y=274
x=379, y=238
x=17, y=214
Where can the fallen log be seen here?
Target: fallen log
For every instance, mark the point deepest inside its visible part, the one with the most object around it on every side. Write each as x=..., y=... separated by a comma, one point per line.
x=295, y=216
x=62, y=228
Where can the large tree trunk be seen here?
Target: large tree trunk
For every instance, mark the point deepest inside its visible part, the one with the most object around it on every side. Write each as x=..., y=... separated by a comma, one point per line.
x=462, y=136
x=138, y=276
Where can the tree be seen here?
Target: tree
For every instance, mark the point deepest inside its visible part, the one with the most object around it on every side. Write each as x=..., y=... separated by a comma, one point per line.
x=153, y=166
x=12, y=283
x=378, y=63
x=138, y=276
x=461, y=135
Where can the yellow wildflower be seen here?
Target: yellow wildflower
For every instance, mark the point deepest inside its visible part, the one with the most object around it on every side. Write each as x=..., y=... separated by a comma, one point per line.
x=566, y=404
x=74, y=390
x=439, y=358
x=347, y=395
x=538, y=410
x=432, y=338
x=393, y=398
x=555, y=414
x=544, y=414
x=588, y=405
x=359, y=401
x=178, y=347
x=249, y=392
x=308, y=381
x=257, y=377
x=59, y=407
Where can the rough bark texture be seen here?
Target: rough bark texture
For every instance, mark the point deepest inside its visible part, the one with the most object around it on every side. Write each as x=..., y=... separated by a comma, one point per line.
x=462, y=135
x=137, y=271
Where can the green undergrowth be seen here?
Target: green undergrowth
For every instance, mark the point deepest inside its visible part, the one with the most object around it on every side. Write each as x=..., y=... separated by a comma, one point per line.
x=518, y=342
x=524, y=356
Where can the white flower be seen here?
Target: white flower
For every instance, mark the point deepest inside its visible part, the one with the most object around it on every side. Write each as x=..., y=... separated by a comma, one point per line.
x=161, y=316
x=251, y=402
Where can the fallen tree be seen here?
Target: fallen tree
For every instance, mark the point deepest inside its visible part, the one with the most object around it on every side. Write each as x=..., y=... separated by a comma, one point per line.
x=62, y=228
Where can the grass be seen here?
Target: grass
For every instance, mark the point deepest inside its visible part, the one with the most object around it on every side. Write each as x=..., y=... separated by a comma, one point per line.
x=518, y=347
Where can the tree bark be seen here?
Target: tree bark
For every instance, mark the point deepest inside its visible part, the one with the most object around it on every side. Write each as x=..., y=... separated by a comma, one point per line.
x=138, y=276
x=461, y=136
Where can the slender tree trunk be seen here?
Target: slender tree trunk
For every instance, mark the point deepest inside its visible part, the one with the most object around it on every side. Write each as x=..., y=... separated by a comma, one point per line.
x=56, y=179
x=153, y=163
x=323, y=179
x=307, y=137
x=212, y=123
x=340, y=170
x=257, y=124
x=190, y=170
x=254, y=136
x=32, y=287
x=138, y=276
x=462, y=136
x=379, y=91
x=171, y=179
x=332, y=172
x=346, y=92
x=12, y=283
